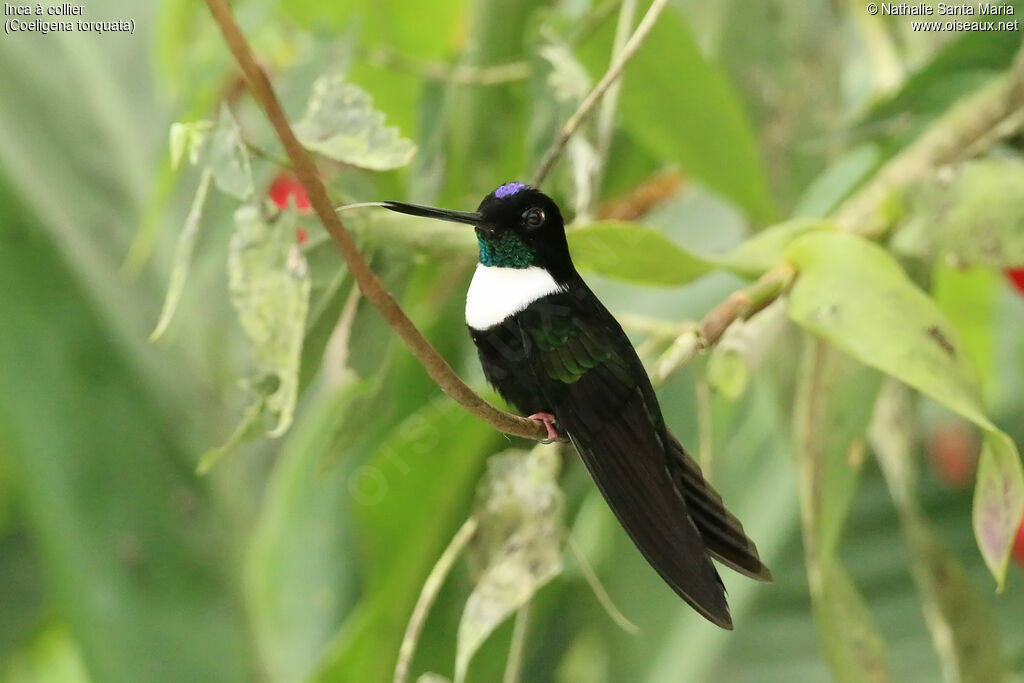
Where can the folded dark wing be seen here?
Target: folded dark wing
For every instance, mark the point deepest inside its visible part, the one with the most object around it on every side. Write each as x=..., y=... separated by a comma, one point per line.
x=602, y=400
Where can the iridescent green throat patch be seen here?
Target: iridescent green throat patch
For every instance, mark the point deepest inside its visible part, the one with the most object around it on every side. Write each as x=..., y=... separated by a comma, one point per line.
x=504, y=250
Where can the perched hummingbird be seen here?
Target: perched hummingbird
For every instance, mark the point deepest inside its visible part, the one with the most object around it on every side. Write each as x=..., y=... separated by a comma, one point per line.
x=553, y=351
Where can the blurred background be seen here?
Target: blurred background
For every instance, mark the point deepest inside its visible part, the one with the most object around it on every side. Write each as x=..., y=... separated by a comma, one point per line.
x=335, y=472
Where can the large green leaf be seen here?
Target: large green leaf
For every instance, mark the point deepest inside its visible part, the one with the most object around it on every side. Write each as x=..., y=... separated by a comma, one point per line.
x=851, y=641
x=968, y=298
x=765, y=249
x=341, y=124
x=228, y=157
x=634, y=253
x=268, y=281
x=853, y=294
x=683, y=110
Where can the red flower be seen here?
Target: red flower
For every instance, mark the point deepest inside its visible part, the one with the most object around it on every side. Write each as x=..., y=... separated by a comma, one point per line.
x=1016, y=276
x=287, y=189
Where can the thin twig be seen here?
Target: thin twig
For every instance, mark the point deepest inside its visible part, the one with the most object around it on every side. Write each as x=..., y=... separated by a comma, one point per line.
x=629, y=50
x=606, y=114
x=431, y=587
x=738, y=306
x=600, y=592
x=372, y=288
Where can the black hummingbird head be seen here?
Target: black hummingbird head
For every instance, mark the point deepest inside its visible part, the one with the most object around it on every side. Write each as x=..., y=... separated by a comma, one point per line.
x=516, y=227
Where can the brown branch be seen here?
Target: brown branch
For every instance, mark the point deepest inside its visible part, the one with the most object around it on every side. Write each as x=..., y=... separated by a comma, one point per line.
x=369, y=284
x=738, y=306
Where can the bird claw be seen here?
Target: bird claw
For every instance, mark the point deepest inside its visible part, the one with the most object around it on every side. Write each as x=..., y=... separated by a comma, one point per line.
x=548, y=420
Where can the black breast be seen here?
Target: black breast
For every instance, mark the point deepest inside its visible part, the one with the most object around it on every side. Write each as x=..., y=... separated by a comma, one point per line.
x=504, y=360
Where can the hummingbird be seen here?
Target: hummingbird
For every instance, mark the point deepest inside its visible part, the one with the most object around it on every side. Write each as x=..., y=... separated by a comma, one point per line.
x=555, y=353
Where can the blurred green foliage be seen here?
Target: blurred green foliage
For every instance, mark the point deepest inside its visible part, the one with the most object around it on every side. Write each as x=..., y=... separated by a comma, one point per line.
x=302, y=557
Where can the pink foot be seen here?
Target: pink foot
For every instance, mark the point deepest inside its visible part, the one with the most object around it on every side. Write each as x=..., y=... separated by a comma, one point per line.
x=548, y=420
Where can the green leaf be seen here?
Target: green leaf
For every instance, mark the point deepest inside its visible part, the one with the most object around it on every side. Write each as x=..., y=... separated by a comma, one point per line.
x=728, y=372
x=998, y=501
x=740, y=350
x=851, y=293
x=183, y=257
x=683, y=109
x=968, y=298
x=188, y=138
x=228, y=158
x=341, y=124
x=268, y=281
x=765, y=249
x=633, y=253
x=227, y=165
x=855, y=649
x=517, y=547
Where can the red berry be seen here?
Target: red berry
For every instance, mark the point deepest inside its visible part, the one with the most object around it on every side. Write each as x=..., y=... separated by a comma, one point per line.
x=301, y=236
x=1018, y=545
x=287, y=189
x=953, y=452
x=1016, y=276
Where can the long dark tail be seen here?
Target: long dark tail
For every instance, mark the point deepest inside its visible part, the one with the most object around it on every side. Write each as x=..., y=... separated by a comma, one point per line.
x=722, y=533
x=627, y=461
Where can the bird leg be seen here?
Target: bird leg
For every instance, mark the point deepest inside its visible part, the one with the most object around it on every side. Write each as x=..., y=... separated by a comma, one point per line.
x=548, y=420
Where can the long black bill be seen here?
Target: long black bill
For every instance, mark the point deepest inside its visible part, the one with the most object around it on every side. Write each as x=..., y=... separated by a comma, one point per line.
x=470, y=218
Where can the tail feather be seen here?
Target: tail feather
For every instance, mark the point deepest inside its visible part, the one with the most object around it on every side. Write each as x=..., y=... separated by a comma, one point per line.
x=626, y=460
x=722, y=532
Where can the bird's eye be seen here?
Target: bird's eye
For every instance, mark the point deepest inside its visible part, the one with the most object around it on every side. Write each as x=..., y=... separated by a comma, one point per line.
x=533, y=217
